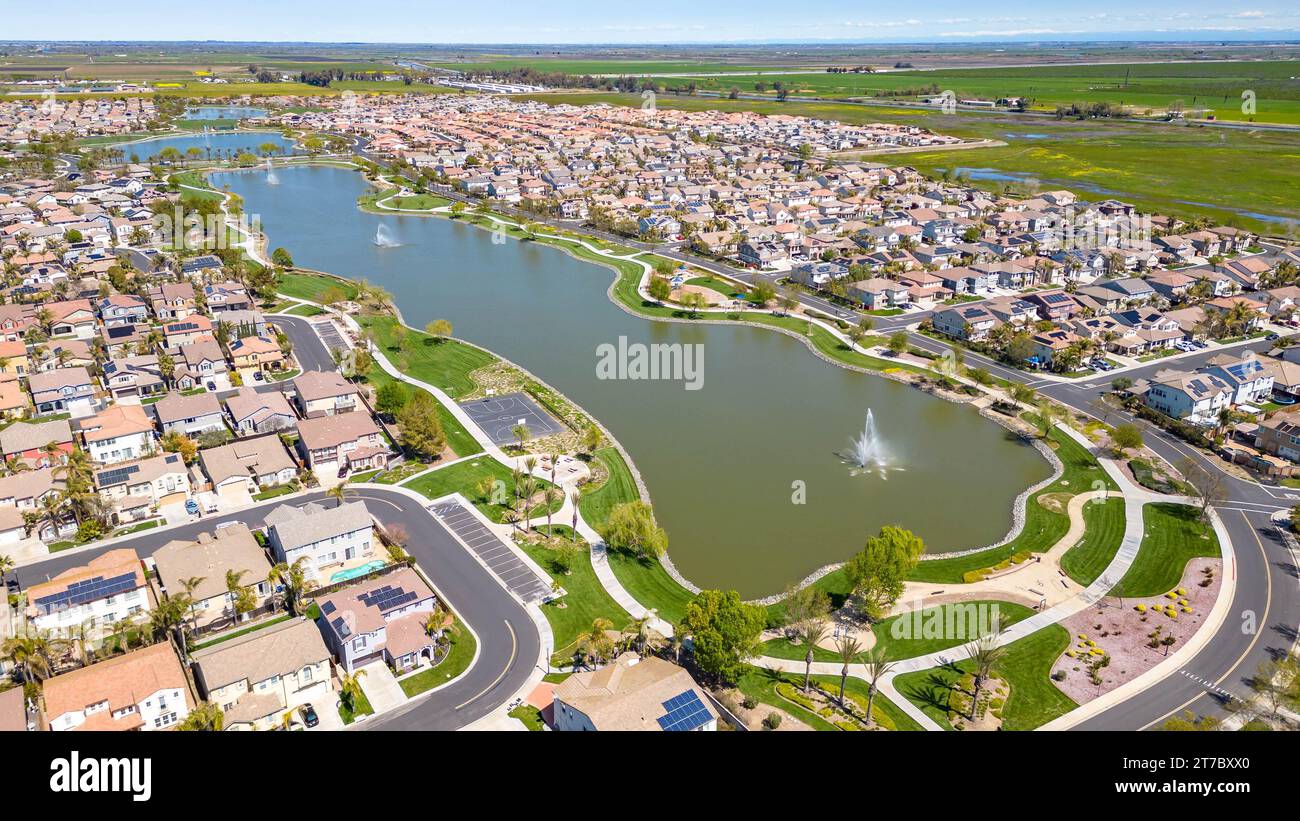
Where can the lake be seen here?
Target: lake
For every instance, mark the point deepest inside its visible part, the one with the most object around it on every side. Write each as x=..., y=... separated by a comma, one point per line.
x=721, y=462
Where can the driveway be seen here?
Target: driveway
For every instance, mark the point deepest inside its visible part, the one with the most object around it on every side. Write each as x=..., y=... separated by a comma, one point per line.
x=381, y=687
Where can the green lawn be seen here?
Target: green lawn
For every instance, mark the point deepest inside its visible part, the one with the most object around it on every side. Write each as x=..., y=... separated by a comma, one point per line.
x=312, y=287
x=530, y=716
x=445, y=364
x=618, y=488
x=456, y=662
x=760, y=685
x=651, y=585
x=586, y=600
x=1027, y=665
x=360, y=708
x=461, y=442
x=1105, y=530
x=463, y=477
x=909, y=646
x=1175, y=534
x=236, y=634
x=305, y=310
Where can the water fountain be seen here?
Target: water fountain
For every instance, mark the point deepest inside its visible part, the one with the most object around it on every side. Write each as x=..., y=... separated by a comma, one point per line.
x=866, y=452
x=384, y=237
x=271, y=178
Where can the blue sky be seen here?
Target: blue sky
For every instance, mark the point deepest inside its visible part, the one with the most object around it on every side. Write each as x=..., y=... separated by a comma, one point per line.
x=661, y=21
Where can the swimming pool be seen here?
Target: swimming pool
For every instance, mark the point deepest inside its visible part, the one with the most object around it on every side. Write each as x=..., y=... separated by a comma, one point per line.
x=344, y=575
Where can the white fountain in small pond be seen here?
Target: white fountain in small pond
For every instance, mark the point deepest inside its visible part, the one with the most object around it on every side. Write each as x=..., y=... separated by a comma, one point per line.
x=866, y=453
x=271, y=178
x=384, y=237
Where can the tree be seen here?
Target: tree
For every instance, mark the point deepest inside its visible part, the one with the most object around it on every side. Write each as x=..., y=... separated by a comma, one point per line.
x=984, y=654
x=694, y=303
x=809, y=602
x=596, y=645
x=725, y=632
x=877, y=668
x=1046, y=418
x=659, y=289
x=206, y=717
x=520, y=432
x=439, y=329
x=898, y=342
x=631, y=528
x=1208, y=483
x=281, y=258
x=242, y=599
x=592, y=438
x=876, y=574
x=177, y=442
x=350, y=688
x=1190, y=722
x=294, y=579
x=390, y=398
x=848, y=648
x=421, y=430
x=811, y=633
x=1124, y=438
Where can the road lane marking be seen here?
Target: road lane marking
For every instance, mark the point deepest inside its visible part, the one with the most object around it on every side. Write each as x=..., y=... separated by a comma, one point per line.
x=1268, y=603
x=514, y=649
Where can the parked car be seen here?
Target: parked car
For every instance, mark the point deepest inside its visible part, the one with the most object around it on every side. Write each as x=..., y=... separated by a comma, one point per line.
x=257, y=376
x=309, y=716
x=191, y=507
x=212, y=386
x=343, y=471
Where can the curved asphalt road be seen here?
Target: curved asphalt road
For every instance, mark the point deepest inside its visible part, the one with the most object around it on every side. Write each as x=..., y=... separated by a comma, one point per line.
x=508, y=641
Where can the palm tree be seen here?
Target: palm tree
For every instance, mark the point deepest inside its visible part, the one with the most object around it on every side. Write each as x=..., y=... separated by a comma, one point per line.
x=206, y=717
x=810, y=632
x=294, y=579
x=575, y=496
x=526, y=490
x=6, y=567
x=350, y=688
x=242, y=599
x=32, y=653
x=877, y=668
x=337, y=492
x=551, y=495
x=595, y=644
x=984, y=654
x=121, y=631
x=848, y=648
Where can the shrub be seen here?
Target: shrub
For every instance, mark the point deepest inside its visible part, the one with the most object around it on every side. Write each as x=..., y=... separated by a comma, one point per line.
x=773, y=721
x=749, y=702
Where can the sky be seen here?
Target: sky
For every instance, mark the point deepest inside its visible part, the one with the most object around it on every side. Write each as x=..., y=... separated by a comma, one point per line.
x=659, y=21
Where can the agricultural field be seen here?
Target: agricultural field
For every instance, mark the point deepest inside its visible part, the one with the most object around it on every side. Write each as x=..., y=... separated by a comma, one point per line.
x=1159, y=167
x=1142, y=88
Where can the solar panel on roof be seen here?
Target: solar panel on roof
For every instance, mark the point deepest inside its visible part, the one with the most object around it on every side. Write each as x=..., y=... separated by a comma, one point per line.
x=341, y=627
x=117, y=475
x=327, y=607
x=684, y=712
x=86, y=591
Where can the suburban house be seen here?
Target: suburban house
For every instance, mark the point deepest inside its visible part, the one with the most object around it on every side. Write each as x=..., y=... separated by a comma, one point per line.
x=633, y=693
x=13, y=358
x=1280, y=436
x=118, y=433
x=258, y=677
x=879, y=293
x=254, y=354
x=209, y=558
x=144, y=689
x=325, y=536
x=134, y=376
x=69, y=390
x=191, y=415
x=109, y=588
x=246, y=466
x=971, y=323
x=29, y=442
x=1196, y=397
x=187, y=330
x=172, y=300
x=379, y=619
x=135, y=489
x=324, y=393
x=252, y=411
x=201, y=364
x=1251, y=381
x=349, y=440
x=26, y=489
x=71, y=318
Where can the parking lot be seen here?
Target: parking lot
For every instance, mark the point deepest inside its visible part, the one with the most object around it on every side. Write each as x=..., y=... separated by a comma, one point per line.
x=500, y=558
x=498, y=415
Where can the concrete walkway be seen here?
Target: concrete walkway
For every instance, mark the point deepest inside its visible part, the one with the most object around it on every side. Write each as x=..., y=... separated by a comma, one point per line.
x=381, y=687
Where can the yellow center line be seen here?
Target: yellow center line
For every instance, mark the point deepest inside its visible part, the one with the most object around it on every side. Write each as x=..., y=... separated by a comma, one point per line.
x=1268, y=601
x=514, y=647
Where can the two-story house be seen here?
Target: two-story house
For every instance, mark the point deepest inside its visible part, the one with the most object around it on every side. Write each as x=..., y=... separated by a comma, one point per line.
x=325, y=536
x=144, y=689
x=119, y=433
x=324, y=393
x=209, y=558
x=106, y=590
x=382, y=619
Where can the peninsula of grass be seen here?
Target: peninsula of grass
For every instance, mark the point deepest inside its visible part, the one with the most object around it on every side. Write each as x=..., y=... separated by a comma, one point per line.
x=465, y=477
x=1174, y=535
x=456, y=661
x=1027, y=665
x=305, y=310
x=618, y=487
x=444, y=363
x=461, y=442
x=585, y=600
x=312, y=286
x=360, y=707
x=1104, y=530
